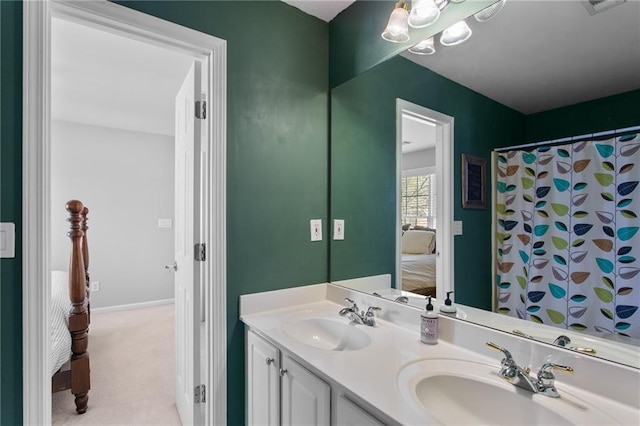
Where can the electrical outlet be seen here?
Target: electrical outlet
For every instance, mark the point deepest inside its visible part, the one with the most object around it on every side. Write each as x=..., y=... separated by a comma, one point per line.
x=338, y=229
x=316, y=229
x=95, y=286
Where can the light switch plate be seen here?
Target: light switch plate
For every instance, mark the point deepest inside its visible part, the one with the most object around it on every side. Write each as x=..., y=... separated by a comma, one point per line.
x=7, y=240
x=338, y=229
x=457, y=227
x=165, y=223
x=316, y=229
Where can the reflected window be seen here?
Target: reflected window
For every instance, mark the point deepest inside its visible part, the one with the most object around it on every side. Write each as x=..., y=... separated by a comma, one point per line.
x=418, y=204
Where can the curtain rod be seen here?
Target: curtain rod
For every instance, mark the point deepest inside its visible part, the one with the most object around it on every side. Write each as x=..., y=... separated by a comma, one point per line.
x=587, y=136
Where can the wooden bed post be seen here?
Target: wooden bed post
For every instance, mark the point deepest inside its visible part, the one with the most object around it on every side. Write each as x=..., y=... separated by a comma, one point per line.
x=85, y=257
x=78, y=318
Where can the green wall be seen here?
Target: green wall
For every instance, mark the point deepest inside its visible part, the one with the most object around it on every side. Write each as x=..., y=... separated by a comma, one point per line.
x=10, y=210
x=610, y=113
x=278, y=146
x=277, y=89
x=363, y=169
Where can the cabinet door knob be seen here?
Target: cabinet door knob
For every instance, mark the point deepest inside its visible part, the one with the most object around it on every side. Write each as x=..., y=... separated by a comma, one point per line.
x=282, y=372
x=270, y=361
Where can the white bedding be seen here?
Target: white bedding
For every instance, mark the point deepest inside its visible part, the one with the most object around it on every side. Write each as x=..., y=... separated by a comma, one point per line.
x=418, y=271
x=60, y=306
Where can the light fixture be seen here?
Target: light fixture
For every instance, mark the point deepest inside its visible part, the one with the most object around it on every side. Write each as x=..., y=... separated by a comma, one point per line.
x=397, y=30
x=423, y=13
x=455, y=34
x=489, y=12
x=425, y=47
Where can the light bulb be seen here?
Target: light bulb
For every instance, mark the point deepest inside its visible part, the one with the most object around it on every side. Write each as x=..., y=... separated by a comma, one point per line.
x=397, y=30
x=425, y=47
x=423, y=13
x=455, y=34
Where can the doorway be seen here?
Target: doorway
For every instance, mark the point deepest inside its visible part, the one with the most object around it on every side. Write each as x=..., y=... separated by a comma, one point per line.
x=211, y=52
x=440, y=128
x=112, y=147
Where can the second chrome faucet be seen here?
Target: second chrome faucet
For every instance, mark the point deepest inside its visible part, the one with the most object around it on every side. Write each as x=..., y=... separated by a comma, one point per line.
x=518, y=376
x=368, y=318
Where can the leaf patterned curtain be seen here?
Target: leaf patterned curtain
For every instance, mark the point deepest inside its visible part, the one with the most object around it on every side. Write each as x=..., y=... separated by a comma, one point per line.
x=568, y=240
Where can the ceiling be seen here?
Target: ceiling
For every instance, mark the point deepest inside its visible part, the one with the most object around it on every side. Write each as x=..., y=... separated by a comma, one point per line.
x=417, y=134
x=537, y=55
x=533, y=56
x=103, y=79
x=323, y=9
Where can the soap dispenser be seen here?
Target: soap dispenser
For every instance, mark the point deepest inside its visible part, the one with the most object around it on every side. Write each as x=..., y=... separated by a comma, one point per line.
x=448, y=307
x=429, y=325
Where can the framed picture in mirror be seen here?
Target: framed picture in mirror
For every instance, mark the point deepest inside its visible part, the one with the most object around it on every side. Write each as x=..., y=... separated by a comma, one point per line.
x=474, y=182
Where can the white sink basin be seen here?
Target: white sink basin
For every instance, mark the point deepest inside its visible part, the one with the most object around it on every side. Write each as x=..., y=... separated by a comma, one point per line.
x=456, y=392
x=328, y=333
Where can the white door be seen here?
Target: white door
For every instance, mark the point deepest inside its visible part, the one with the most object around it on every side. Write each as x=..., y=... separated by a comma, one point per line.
x=187, y=234
x=306, y=399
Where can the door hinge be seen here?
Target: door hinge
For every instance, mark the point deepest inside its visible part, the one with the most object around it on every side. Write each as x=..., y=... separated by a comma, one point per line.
x=200, y=252
x=201, y=109
x=200, y=394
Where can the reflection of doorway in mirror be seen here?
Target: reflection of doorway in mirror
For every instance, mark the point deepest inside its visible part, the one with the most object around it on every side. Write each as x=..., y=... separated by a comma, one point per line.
x=424, y=248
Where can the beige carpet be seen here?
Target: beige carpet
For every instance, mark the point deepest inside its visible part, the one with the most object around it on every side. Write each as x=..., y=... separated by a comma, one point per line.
x=132, y=366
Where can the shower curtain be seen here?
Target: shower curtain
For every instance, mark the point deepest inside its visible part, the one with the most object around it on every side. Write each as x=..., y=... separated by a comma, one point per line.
x=567, y=235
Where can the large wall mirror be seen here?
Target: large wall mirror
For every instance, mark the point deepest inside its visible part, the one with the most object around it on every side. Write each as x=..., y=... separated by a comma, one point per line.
x=536, y=71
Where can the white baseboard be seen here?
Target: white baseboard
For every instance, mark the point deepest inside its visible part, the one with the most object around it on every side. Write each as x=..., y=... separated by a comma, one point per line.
x=132, y=306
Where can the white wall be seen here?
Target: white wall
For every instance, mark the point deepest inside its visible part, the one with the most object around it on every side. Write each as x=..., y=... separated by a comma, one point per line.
x=419, y=159
x=125, y=178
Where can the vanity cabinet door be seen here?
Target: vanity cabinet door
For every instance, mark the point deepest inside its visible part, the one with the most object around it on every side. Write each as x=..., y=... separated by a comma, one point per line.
x=349, y=414
x=263, y=381
x=306, y=399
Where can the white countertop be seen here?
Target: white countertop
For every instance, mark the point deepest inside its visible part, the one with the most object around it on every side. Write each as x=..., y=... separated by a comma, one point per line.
x=371, y=373
x=359, y=371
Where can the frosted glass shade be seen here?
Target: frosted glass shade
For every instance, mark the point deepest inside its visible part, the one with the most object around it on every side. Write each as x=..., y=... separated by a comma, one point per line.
x=489, y=12
x=455, y=34
x=423, y=13
x=425, y=47
x=397, y=30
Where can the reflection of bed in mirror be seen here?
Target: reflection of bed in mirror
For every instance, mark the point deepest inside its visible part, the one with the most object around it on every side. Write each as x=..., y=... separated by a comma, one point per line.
x=419, y=261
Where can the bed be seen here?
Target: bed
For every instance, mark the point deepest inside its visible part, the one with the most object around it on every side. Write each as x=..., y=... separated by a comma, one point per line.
x=419, y=262
x=69, y=359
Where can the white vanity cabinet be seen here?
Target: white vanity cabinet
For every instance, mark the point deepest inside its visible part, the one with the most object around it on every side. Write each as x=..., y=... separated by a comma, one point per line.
x=306, y=399
x=350, y=414
x=280, y=391
x=263, y=381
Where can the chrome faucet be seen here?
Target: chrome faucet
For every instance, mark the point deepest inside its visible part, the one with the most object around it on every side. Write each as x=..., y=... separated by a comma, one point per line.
x=513, y=373
x=562, y=340
x=402, y=299
x=546, y=379
x=518, y=376
x=368, y=318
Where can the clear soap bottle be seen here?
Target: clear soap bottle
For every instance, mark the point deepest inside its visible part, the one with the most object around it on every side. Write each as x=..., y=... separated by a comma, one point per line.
x=429, y=325
x=448, y=308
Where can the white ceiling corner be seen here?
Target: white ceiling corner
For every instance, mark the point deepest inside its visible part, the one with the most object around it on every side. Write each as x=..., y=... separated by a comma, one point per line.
x=322, y=9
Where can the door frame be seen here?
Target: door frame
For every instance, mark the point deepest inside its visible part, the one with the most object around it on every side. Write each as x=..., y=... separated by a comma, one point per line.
x=444, y=190
x=36, y=214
